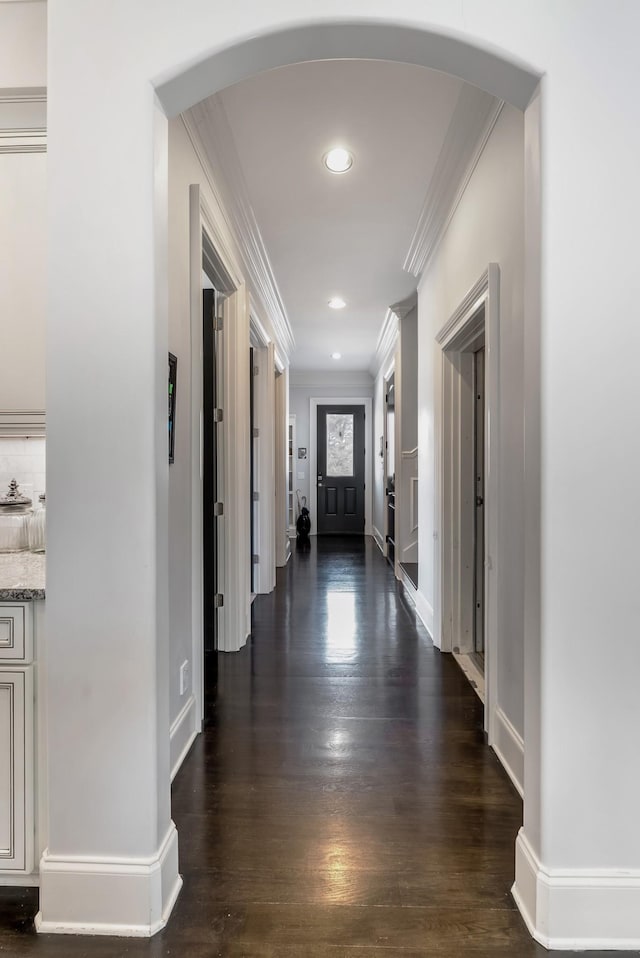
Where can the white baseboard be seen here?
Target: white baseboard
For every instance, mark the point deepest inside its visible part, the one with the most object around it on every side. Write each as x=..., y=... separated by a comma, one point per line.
x=20, y=881
x=508, y=745
x=425, y=611
x=581, y=910
x=182, y=734
x=473, y=673
x=131, y=898
x=409, y=587
x=377, y=535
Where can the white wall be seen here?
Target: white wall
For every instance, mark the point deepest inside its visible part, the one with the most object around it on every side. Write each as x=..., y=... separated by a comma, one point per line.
x=184, y=169
x=488, y=226
x=302, y=388
x=409, y=398
x=23, y=44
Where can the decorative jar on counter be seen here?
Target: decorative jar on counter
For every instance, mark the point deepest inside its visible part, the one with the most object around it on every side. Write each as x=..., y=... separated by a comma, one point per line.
x=38, y=526
x=14, y=520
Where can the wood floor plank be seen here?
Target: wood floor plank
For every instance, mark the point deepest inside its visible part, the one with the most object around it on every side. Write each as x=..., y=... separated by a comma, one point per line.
x=343, y=802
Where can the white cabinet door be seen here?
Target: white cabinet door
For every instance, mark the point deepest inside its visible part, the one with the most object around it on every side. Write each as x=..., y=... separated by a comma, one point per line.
x=16, y=770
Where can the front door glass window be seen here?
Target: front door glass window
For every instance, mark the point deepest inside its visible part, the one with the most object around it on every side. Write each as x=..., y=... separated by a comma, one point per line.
x=339, y=444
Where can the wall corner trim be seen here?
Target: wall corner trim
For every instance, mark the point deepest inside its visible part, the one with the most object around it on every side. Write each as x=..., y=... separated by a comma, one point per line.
x=129, y=897
x=182, y=734
x=580, y=909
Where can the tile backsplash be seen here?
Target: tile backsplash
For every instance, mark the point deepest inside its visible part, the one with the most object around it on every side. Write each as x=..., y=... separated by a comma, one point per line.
x=23, y=460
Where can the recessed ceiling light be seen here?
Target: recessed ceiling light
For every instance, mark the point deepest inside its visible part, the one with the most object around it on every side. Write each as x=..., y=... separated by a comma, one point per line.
x=338, y=160
x=336, y=302
x=336, y=355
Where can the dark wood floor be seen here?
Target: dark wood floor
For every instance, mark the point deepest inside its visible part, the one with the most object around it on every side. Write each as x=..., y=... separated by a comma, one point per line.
x=343, y=804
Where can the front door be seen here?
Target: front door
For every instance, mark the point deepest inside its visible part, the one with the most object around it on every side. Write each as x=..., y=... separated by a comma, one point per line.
x=340, y=501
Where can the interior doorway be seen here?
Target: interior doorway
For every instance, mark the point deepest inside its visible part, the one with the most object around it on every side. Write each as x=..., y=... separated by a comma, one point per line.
x=478, y=479
x=212, y=507
x=467, y=490
x=390, y=467
x=253, y=493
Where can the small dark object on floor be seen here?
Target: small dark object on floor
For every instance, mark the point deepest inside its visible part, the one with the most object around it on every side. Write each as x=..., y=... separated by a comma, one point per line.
x=303, y=528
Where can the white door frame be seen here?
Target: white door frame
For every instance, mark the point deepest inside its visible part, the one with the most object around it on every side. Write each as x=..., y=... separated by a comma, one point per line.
x=479, y=311
x=283, y=544
x=264, y=458
x=233, y=554
x=314, y=402
x=385, y=455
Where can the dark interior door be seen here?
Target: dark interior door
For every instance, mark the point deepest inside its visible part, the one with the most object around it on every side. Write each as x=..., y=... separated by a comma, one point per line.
x=340, y=500
x=252, y=482
x=478, y=461
x=210, y=496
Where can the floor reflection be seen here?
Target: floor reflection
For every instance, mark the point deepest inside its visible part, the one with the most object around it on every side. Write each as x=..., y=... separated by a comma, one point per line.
x=341, y=626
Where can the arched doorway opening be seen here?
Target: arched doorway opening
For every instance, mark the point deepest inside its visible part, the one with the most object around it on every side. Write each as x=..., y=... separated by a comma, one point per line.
x=177, y=88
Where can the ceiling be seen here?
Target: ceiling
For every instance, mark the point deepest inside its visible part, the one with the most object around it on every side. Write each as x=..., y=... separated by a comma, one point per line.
x=328, y=235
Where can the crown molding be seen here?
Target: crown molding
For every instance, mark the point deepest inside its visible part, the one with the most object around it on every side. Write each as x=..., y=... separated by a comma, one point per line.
x=472, y=123
x=210, y=131
x=386, y=344
x=26, y=94
x=23, y=120
x=19, y=423
x=258, y=334
x=23, y=141
x=405, y=306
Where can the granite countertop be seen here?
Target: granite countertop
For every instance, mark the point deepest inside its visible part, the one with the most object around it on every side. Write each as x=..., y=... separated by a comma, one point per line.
x=22, y=576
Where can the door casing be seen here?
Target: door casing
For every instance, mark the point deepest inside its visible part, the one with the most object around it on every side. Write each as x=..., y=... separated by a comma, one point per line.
x=232, y=617
x=477, y=314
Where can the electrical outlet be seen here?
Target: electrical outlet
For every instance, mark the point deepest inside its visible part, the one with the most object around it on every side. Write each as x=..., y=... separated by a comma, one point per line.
x=184, y=677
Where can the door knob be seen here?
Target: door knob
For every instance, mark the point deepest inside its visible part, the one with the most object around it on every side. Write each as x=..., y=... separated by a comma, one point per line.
x=479, y=501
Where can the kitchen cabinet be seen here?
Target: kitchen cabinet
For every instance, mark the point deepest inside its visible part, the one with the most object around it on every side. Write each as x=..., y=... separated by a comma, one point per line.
x=18, y=741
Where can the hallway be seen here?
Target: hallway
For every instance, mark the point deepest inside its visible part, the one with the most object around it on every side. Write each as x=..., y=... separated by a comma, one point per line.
x=343, y=804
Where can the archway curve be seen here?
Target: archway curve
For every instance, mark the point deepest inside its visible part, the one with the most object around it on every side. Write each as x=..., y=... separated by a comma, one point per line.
x=488, y=69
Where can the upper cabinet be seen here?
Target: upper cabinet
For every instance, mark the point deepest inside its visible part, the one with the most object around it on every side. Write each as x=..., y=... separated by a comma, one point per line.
x=23, y=213
x=23, y=270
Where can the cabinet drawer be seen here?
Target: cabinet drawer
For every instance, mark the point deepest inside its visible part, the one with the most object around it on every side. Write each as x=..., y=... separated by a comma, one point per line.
x=15, y=633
